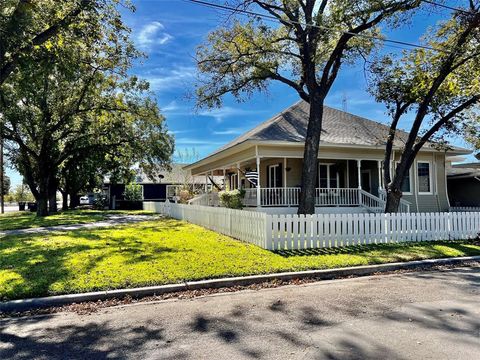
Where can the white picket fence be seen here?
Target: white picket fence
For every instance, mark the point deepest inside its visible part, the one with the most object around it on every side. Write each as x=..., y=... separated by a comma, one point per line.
x=464, y=209
x=289, y=232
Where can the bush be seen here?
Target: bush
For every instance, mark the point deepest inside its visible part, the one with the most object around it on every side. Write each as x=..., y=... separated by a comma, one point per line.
x=232, y=199
x=100, y=202
x=184, y=195
x=133, y=192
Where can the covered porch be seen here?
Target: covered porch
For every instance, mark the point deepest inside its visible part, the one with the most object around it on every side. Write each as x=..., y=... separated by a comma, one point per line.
x=275, y=182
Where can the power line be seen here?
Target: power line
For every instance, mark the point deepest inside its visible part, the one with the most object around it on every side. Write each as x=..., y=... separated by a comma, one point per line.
x=271, y=17
x=446, y=6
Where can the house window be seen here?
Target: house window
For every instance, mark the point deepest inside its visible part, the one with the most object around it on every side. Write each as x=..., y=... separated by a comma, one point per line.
x=274, y=176
x=424, y=178
x=233, y=181
x=407, y=185
x=328, y=176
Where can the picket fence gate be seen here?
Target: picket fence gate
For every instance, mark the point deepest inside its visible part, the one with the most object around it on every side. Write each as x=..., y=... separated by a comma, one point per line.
x=292, y=232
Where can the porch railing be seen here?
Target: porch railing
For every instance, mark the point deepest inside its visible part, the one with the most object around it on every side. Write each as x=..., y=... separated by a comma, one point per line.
x=290, y=196
x=404, y=206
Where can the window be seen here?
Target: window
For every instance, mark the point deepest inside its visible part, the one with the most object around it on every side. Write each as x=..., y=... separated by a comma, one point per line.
x=274, y=176
x=406, y=186
x=233, y=182
x=424, y=178
x=328, y=176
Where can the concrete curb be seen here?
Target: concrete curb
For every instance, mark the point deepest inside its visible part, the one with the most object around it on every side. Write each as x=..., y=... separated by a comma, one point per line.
x=327, y=274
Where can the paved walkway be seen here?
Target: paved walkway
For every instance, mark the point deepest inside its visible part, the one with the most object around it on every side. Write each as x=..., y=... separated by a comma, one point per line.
x=112, y=220
x=425, y=315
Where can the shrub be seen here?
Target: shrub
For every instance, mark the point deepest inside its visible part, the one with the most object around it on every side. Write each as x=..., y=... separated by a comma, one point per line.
x=232, y=199
x=133, y=192
x=100, y=202
x=184, y=195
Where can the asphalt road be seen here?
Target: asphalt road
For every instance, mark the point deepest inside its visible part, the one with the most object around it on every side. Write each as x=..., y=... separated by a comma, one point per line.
x=429, y=315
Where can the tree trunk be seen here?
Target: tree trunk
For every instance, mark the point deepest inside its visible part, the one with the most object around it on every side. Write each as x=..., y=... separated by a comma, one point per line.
x=64, y=200
x=42, y=196
x=52, y=195
x=394, y=196
x=310, y=157
x=74, y=200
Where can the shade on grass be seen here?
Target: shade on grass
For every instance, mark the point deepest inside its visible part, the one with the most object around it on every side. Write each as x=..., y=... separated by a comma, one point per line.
x=23, y=220
x=168, y=251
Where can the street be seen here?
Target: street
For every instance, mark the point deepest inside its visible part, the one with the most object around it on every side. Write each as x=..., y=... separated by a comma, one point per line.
x=424, y=315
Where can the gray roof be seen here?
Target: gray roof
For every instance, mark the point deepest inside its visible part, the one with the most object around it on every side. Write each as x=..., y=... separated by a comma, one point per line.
x=339, y=127
x=464, y=170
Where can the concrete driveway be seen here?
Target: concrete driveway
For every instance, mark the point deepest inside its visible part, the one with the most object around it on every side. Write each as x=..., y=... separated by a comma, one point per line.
x=429, y=315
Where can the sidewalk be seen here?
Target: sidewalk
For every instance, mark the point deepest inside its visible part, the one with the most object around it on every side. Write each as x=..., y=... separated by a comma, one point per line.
x=113, y=220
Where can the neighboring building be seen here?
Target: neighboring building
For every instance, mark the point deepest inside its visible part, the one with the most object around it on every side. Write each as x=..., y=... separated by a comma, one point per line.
x=164, y=186
x=350, y=164
x=464, y=185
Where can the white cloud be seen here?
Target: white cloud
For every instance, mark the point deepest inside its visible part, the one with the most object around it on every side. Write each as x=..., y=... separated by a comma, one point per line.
x=220, y=114
x=196, y=141
x=231, y=131
x=180, y=76
x=152, y=34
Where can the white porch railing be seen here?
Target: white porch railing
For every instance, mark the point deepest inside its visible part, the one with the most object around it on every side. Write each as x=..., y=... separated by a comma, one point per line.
x=207, y=199
x=404, y=206
x=289, y=196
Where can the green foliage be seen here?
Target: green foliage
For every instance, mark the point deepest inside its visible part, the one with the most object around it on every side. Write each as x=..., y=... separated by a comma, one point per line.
x=6, y=184
x=21, y=193
x=232, y=199
x=168, y=252
x=133, y=192
x=100, y=202
x=71, y=113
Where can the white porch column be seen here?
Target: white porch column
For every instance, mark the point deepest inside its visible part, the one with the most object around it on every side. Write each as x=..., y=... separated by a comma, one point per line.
x=206, y=183
x=359, y=170
x=238, y=176
x=359, y=173
x=379, y=175
x=258, y=182
x=284, y=172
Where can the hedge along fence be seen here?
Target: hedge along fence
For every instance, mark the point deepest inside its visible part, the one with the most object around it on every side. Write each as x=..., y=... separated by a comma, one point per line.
x=283, y=232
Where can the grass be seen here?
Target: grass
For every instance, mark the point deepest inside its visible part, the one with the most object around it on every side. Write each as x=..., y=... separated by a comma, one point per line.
x=169, y=251
x=23, y=220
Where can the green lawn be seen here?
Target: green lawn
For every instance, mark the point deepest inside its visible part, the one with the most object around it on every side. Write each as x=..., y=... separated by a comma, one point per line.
x=168, y=251
x=25, y=219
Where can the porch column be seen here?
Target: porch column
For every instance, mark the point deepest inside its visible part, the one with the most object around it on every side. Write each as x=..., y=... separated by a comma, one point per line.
x=359, y=172
x=258, y=182
x=206, y=183
x=380, y=187
x=284, y=172
x=238, y=176
x=224, y=180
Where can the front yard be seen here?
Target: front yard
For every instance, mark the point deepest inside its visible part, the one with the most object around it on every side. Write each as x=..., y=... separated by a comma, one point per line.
x=25, y=219
x=169, y=251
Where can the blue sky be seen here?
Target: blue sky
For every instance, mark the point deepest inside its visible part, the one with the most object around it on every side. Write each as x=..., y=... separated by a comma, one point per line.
x=168, y=31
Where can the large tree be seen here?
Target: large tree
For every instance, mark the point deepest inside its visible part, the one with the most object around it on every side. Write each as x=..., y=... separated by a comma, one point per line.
x=26, y=24
x=304, y=47
x=73, y=96
x=439, y=86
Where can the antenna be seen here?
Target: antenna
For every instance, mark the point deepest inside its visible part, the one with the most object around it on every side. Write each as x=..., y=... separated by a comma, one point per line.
x=344, y=101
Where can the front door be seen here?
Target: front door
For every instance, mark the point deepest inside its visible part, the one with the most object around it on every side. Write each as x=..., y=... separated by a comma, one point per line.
x=367, y=180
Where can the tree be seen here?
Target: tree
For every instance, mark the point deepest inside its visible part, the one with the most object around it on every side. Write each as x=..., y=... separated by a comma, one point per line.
x=438, y=86
x=27, y=24
x=73, y=96
x=304, y=49
x=6, y=184
x=21, y=193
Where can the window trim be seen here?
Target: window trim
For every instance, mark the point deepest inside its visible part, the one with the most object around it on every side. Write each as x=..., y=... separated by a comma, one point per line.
x=270, y=178
x=329, y=176
x=430, y=180
x=409, y=179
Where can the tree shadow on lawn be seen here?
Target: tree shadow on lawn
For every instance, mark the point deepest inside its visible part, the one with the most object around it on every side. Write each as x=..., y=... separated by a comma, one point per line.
x=36, y=264
x=390, y=250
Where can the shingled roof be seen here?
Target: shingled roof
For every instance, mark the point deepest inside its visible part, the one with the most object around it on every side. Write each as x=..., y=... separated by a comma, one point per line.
x=339, y=127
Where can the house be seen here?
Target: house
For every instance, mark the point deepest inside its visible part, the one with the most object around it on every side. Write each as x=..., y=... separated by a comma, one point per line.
x=350, y=174
x=464, y=184
x=164, y=186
